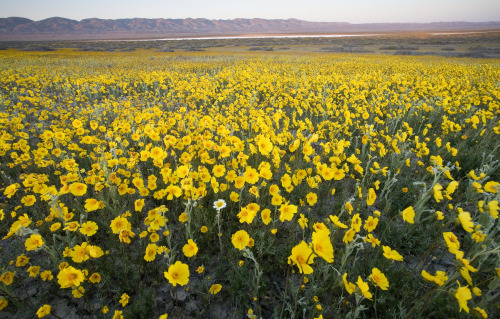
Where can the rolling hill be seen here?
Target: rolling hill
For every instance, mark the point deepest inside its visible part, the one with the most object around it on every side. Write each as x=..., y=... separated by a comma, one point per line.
x=57, y=28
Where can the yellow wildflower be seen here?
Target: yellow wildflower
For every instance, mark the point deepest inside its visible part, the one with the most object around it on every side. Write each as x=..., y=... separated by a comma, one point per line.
x=463, y=294
x=408, y=215
x=302, y=256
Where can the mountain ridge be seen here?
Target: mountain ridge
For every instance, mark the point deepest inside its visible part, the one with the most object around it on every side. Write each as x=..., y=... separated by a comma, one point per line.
x=59, y=28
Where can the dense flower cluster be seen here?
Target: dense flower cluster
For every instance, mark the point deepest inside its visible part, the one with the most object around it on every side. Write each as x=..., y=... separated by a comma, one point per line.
x=122, y=175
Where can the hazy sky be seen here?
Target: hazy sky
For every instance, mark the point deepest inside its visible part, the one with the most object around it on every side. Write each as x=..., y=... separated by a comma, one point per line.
x=354, y=11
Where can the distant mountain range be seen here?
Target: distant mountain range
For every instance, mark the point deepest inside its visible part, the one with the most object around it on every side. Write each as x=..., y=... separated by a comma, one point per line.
x=15, y=28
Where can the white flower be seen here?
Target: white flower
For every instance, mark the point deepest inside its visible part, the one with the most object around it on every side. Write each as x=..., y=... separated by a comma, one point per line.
x=219, y=204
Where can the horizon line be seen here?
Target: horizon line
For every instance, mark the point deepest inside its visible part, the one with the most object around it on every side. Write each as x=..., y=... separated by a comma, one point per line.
x=451, y=21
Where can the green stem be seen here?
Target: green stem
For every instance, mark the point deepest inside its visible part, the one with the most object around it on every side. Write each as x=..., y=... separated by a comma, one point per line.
x=419, y=300
x=488, y=252
x=219, y=230
x=284, y=294
x=386, y=227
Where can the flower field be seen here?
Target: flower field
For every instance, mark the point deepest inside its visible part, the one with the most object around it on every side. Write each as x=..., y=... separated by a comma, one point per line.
x=199, y=185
